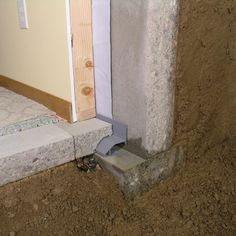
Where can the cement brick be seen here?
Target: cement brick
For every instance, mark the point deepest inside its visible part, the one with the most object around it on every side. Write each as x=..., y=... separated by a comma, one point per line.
x=29, y=152
x=87, y=135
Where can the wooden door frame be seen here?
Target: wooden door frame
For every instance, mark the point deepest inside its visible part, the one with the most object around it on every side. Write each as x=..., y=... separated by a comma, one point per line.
x=81, y=42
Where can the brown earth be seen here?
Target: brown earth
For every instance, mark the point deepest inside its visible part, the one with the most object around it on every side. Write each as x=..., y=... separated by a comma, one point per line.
x=206, y=71
x=200, y=199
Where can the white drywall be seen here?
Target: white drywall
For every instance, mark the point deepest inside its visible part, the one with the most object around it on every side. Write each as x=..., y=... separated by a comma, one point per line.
x=102, y=56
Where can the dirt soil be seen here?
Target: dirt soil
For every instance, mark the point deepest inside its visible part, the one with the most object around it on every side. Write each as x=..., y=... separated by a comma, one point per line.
x=205, y=113
x=199, y=200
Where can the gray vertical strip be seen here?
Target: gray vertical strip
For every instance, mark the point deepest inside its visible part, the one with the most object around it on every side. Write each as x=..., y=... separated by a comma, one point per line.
x=102, y=56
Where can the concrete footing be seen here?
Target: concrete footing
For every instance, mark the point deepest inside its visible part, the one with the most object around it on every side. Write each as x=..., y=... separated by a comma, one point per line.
x=137, y=175
x=26, y=153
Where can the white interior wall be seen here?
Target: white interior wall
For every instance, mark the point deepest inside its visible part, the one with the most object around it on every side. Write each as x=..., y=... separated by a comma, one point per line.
x=52, y=57
x=37, y=56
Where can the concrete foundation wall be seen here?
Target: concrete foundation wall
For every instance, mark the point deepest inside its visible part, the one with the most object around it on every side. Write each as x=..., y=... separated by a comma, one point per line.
x=143, y=63
x=152, y=82
x=205, y=98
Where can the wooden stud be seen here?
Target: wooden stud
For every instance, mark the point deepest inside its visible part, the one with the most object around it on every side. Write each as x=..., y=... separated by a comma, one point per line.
x=81, y=23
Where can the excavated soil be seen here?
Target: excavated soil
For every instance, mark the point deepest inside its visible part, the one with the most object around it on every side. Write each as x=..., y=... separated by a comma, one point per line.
x=205, y=113
x=199, y=200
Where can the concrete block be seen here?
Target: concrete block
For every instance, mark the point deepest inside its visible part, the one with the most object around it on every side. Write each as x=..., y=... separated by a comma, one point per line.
x=29, y=152
x=87, y=135
x=137, y=175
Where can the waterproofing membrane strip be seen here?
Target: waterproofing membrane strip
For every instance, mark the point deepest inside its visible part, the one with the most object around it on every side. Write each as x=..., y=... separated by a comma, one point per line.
x=118, y=136
x=102, y=56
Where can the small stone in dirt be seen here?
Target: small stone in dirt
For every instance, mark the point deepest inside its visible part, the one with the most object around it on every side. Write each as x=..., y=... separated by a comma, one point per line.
x=216, y=196
x=224, y=225
x=185, y=213
x=12, y=234
x=112, y=216
x=234, y=218
x=8, y=203
x=36, y=207
x=45, y=202
x=75, y=209
x=57, y=191
x=11, y=215
x=124, y=212
x=189, y=224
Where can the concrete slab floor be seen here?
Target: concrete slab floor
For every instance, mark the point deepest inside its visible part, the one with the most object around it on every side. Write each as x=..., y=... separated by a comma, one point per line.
x=32, y=139
x=26, y=153
x=18, y=113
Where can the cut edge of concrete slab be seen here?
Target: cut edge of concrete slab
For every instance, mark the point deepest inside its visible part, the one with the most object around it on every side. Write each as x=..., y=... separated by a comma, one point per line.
x=144, y=173
x=87, y=135
x=29, y=152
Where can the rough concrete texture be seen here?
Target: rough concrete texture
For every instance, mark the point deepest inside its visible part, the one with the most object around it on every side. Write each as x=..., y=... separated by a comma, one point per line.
x=31, y=151
x=87, y=135
x=206, y=69
x=28, y=124
x=26, y=153
x=19, y=113
x=143, y=54
x=144, y=173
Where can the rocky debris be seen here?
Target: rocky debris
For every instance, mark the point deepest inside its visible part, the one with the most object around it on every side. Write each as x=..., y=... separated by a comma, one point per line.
x=87, y=164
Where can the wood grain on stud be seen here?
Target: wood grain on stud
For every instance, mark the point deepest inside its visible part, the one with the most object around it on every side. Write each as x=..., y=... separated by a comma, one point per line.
x=58, y=105
x=81, y=25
